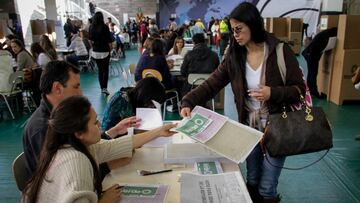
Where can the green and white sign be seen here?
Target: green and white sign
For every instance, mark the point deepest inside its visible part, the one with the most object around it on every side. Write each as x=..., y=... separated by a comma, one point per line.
x=195, y=125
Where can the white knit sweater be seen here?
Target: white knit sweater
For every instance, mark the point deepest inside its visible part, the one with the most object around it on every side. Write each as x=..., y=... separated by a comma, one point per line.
x=70, y=175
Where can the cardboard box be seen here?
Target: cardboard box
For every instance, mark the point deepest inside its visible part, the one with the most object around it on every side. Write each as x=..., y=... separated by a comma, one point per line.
x=348, y=32
x=324, y=74
x=279, y=27
x=328, y=21
x=294, y=41
x=341, y=87
x=294, y=24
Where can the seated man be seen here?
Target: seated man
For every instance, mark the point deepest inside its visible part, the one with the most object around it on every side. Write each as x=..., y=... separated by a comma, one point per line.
x=199, y=60
x=59, y=81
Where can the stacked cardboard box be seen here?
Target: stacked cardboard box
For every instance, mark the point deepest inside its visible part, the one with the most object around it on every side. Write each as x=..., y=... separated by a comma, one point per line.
x=327, y=59
x=286, y=29
x=343, y=63
x=295, y=26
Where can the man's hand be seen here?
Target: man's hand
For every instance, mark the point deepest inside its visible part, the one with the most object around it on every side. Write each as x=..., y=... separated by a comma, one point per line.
x=123, y=125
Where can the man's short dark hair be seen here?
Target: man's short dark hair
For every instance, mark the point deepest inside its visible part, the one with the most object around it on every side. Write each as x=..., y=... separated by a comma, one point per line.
x=198, y=38
x=56, y=71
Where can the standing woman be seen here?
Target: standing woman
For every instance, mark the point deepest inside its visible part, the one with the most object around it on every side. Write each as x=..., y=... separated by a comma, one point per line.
x=251, y=67
x=215, y=30
x=101, y=38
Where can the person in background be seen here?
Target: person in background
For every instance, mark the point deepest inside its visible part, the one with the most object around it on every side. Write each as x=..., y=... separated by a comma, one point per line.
x=225, y=35
x=153, y=28
x=251, y=68
x=101, y=39
x=85, y=38
x=48, y=47
x=5, y=70
x=81, y=53
x=39, y=54
x=312, y=54
x=178, y=46
x=68, y=169
x=155, y=60
x=69, y=29
x=356, y=81
x=125, y=101
x=172, y=24
x=92, y=8
x=200, y=24
x=23, y=57
x=215, y=30
x=7, y=44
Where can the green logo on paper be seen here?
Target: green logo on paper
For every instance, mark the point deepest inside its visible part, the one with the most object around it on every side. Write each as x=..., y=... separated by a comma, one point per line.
x=139, y=191
x=195, y=125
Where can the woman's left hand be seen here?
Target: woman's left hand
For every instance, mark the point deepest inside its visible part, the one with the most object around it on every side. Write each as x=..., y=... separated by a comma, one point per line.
x=261, y=94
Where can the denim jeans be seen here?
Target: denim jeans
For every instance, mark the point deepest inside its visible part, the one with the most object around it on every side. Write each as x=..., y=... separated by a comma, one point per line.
x=261, y=174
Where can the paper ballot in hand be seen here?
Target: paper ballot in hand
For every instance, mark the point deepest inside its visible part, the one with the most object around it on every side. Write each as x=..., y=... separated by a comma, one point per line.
x=150, y=118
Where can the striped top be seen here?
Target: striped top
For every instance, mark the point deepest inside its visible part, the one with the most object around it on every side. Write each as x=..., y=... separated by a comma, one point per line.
x=70, y=175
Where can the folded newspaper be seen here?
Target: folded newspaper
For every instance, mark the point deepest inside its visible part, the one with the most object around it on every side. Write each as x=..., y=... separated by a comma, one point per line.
x=218, y=188
x=144, y=193
x=220, y=134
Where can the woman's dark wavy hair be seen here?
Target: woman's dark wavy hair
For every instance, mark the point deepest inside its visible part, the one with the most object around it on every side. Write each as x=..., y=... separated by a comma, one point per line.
x=248, y=14
x=69, y=117
x=147, y=89
x=157, y=47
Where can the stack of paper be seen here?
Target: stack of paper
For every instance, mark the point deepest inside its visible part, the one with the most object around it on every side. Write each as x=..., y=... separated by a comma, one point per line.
x=218, y=188
x=150, y=118
x=208, y=167
x=144, y=193
x=188, y=153
x=226, y=137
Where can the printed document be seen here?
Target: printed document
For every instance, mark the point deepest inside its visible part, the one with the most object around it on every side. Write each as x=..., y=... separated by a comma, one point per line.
x=218, y=188
x=150, y=118
x=220, y=134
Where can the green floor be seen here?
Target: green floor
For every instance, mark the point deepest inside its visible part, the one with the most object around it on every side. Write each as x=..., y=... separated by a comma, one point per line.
x=334, y=179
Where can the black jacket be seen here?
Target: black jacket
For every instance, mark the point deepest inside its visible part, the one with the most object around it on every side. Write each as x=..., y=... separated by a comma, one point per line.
x=199, y=60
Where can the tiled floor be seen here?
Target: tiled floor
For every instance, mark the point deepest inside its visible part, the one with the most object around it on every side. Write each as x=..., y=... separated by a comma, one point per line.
x=334, y=179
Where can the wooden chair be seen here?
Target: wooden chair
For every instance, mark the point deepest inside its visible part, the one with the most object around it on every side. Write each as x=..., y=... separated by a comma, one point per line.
x=19, y=171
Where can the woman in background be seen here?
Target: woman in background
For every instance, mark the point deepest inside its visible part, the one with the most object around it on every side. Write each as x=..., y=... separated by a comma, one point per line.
x=39, y=54
x=101, y=38
x=23, y=57
x=178, y=46
x=48, y=47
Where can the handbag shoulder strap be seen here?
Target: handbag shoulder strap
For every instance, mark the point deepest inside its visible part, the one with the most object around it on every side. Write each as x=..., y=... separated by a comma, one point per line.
x=281, y=60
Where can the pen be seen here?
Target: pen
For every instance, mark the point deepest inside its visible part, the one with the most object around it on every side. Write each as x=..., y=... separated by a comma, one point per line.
x=146, y=173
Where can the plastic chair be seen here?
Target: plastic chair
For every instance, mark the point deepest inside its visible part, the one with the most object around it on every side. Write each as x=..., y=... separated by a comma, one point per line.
x=16, y=80
x=155, y=73
x=195, y=79
x=19, y=171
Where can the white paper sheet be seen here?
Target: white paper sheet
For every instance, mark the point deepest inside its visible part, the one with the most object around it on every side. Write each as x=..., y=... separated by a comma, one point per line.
x=217, y=188
x=150, y=118
x=331, y=44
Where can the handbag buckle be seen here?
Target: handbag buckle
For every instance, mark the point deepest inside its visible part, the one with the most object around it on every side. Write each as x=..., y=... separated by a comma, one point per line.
x=284, y=115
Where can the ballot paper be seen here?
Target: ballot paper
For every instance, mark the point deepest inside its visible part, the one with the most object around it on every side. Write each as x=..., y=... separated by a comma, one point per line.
x=144, y=193
x=150, y=118
x=208, y=167
x=222, y=135
x=219, y=188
